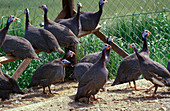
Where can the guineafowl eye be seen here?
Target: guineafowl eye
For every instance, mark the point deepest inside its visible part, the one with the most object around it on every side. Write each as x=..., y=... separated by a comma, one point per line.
x=110, y=39
x=44, y=6
x=146, y=33
x=105, y=46
x=79, y=5
x=65, y=62
x=102, y=2
x=132, y=45
x=26, y=10
x=11, y=19
x=70, y=53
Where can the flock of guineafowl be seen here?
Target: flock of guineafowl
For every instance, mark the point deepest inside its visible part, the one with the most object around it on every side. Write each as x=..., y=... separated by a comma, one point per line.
x=91, y=71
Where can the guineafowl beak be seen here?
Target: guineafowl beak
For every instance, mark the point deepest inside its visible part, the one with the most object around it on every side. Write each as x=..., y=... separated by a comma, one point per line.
x=72, y=54
x=40, y=7
x=61, y=63
x=108, y=47
x=148, y=33
x=80, y=5
x=113, y=39
x=105, y=1
x=15, y=19
x=130, y=46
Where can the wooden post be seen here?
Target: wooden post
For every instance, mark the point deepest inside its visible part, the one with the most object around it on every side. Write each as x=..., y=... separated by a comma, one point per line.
x=62, y=14
x=68, y=9
x=69, y=4
x=21, y=68
x=115, y=47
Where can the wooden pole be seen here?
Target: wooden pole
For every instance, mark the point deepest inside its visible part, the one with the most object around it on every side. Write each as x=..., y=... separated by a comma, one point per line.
x=115, y=47
x=68, y=6
x=62, y=14
x=21, y=68
x=7, y=59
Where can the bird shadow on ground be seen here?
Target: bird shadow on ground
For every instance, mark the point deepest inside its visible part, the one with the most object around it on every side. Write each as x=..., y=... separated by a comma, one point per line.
x=62, y=87
x=37, y=94
x=126, y=90
x=165, y=93
x=76, y=104
x=6, y=103
x=160, y=95
x=144, y=98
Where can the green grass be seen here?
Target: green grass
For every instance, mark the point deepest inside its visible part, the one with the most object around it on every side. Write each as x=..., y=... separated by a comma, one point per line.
x=113, y=8
x=125, y=29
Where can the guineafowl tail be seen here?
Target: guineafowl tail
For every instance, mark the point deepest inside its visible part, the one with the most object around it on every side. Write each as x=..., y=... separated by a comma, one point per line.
x=75, y=40
x=36, y=57
x=167, y=82
x=60, y=50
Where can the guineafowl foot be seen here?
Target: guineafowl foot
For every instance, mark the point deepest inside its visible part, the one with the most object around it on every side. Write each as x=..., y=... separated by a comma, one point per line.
x=91, y=102
x=96, y=100
x=150, y=96
x=102, y=89
x=44, y=90
x=44, y=93
x=154, y=93
x=54, y=93
x=137, y=89
x=148, y=90
x=8, y=54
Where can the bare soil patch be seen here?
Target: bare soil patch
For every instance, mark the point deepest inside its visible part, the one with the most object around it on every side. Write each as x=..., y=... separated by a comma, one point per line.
x=119, y=97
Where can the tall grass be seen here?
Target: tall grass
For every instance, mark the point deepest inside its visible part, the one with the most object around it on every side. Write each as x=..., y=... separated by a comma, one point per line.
x=126, y=30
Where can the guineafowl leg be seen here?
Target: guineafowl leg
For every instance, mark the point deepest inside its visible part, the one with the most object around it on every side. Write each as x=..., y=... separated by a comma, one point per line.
x=44, y=90
x=135, y=86
x=150, y=89
x=154, y=93
x=96, y=99
x=103, y=89
x=50, y=90
x=94, y=92
x=130, y=86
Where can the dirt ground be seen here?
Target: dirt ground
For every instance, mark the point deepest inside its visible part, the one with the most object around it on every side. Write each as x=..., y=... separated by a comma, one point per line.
x=119, y=97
